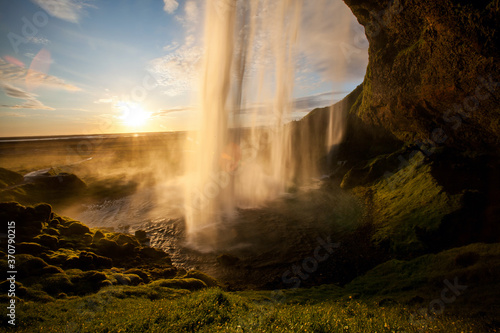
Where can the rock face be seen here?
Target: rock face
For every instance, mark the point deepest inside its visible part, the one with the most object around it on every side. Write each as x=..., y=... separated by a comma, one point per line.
x=433, y=73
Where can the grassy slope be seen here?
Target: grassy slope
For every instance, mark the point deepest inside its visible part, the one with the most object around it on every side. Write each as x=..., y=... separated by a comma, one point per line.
x=213, y=310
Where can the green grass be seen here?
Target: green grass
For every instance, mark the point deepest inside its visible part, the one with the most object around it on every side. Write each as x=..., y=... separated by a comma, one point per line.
x=213, y=310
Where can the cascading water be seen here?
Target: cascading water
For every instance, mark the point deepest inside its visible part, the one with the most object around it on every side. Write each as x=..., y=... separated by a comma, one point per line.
x=232, y=166
x=242, y=154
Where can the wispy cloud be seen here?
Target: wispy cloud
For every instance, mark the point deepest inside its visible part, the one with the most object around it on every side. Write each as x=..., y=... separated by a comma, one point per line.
x=15, y=92
x=165, y=112
x=309, y=103
x=178, y=71
x=12, y=114
x=31, y=101
x=10, y=73
x=68, y=10
x=332, y=41
x=170, y=6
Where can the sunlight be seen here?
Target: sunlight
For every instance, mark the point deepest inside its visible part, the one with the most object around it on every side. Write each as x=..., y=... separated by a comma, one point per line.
x=132, y=114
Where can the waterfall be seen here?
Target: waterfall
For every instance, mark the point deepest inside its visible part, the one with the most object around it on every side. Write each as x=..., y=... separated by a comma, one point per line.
x=242, y=153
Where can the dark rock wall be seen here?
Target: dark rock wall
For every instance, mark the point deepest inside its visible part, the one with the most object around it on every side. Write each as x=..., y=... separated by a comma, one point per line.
x=433, y=73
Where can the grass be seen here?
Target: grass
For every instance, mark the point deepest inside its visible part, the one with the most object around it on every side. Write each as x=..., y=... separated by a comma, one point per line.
x=213, y=310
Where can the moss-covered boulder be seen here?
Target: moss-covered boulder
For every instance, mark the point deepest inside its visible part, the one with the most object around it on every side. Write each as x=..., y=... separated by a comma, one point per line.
x=184, y=283
x=49, y=241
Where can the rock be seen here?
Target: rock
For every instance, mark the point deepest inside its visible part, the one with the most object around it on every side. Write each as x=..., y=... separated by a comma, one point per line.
x=51, y=231
x=143, y=275
x=109, y=248
x=89, y=261
x=98, y=235
x=188, y=283
x=432, y=71
x=51, y=270
x=28, y=265
x=209, y=281
x=43, y=212
x=29, y=248
x=152, y=253
x=88, y=282
x=142, y=237
x=76, y=228
x=49, y=241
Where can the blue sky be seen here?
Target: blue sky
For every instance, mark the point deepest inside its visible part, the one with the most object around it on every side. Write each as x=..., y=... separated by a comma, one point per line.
x=102, y=66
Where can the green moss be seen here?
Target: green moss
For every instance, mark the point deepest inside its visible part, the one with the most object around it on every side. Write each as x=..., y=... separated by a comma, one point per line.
x=209, y=281
x=424, y=275
x=183, y=283
x=54, y=284
x=408, y=199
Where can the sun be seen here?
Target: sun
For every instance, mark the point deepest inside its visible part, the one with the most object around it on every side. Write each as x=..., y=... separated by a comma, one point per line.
x=132, y=114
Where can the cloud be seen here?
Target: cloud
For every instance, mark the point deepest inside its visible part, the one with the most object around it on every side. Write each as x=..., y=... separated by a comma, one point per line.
x=309, y=103
x=12, y=73
x=30, y=99
x=29, y=104
x=15, y=92
x=104, y=101
x=170, y=6
x=68, y=10
x=165, y=112
x=178, y=70
x=12, y=114
x=332, y=41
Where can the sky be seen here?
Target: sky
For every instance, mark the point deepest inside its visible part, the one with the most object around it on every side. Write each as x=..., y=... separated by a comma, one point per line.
x=103, y=66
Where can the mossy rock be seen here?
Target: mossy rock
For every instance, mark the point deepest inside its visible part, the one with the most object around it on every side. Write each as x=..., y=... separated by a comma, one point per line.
x=141, y=236
x=28, y=265
x=143, y=275
x=127, y=279
x=152, y=253
x=43, y=212
x=29, y=248
x=51, y=231
x=209, y=281
x=88, y=282
x=49, y=241
x=163, y=273
x=76, y=229
x=38, y=296
x=6, y=285
x=50, y=269
x=187, y=283
x=89, y=261
x=60, y=256
x=109, y=248
x=98, y=235
x=123, y=239
x=54, y=284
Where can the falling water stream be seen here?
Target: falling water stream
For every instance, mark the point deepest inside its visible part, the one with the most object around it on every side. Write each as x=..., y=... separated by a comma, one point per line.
x=235, y=167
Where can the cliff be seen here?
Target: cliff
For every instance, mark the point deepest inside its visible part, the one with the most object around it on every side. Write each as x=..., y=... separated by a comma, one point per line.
x=433, y=74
